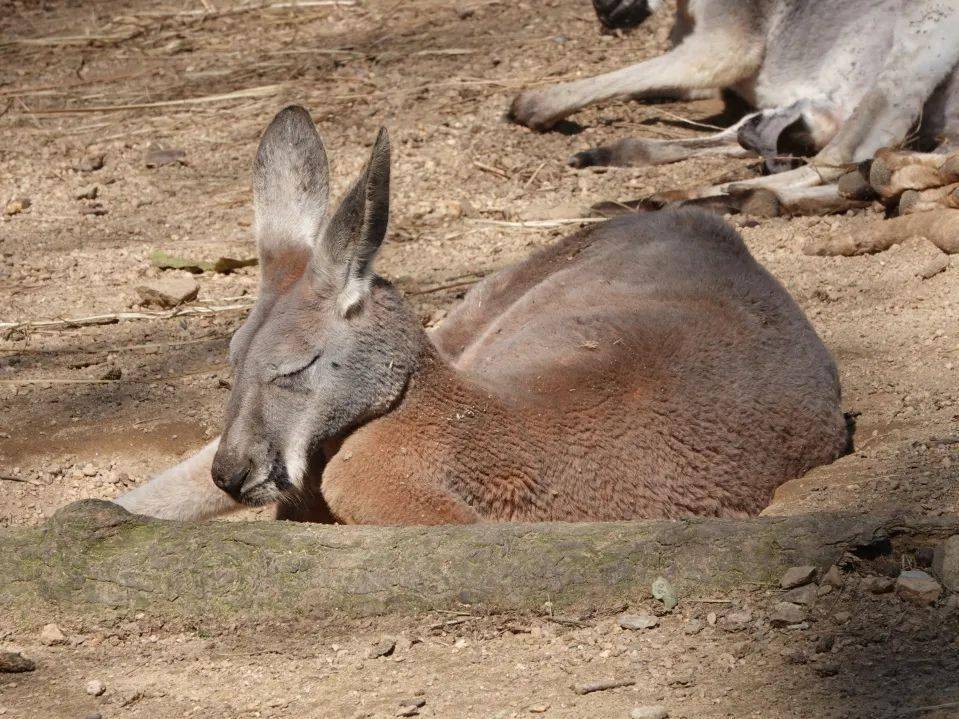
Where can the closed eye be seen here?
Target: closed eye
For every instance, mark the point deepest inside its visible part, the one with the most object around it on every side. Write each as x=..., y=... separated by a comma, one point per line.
x=287, y=377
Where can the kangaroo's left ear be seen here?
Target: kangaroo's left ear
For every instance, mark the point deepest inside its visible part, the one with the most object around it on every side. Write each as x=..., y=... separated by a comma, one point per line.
x=344, y=254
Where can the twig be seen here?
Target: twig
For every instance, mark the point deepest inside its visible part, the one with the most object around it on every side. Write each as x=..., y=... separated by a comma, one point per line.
x=533, y=176
x=440, y=288
x=108, y=350
x=204, y=14
x=601, y=686
x=5, y=478
x=489, y=168
x=916, y=710
x=115, y=317
x=687, y=121
x=261, y=91
x=69, y=39
x=540, y=223
x=67, y=380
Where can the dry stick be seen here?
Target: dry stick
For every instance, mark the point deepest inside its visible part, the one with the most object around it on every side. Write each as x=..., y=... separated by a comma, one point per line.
x=440, y=288
x=69, y=39
x=67, y=380
x=107, y=350
x=262, y=91
x=205, y=15
x=590, y=687
x=114, y=317
x=539, y=223
x=916, y=710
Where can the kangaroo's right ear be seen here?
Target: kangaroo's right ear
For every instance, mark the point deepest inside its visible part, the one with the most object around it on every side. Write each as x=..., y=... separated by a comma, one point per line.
x=291, y=192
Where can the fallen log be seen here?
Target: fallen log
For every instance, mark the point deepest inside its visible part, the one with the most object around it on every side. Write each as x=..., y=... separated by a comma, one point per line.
x=93, y=561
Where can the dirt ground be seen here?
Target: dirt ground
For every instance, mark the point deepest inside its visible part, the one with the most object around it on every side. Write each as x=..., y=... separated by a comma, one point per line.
x=90, y=411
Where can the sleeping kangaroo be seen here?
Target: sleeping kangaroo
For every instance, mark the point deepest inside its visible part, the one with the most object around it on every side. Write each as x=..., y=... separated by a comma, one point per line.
x=644, y=367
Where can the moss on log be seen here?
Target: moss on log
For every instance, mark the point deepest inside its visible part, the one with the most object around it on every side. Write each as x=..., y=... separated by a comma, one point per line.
x=93, y=559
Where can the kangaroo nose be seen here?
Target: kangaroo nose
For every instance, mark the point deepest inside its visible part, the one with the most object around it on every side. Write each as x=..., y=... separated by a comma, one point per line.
x=230, y=472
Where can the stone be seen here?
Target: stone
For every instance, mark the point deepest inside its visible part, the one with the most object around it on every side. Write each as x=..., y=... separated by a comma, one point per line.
x=933, y=266
x=805, y=595
x=665, y=592
x=833, y=578
x=877, y=585
x=797, y=576
x=741, y=649
x=826, y=669
x=650, y=711
x=51, y=635
x=637, y=621
x=539, y=708
x=945, y=563
x=383, y=647
x=785, y=614
x=88, y=193
x=168, y=293
x=711, y=619
x=95, y=688
x=794, y=655
x=90, y=163
x=918, y=587
x=15, y=663
x=737, y=621
x=15, y=207
x=842, y=617
x=693, y=626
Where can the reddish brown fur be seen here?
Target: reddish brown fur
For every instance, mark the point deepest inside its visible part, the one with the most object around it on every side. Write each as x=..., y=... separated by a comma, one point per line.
x=645, y=367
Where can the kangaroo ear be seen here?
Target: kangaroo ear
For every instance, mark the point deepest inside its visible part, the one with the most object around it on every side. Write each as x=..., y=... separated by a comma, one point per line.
x=345, y=254
x=291, y=193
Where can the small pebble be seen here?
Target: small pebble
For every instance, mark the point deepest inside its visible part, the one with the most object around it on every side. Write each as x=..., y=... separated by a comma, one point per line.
x=797, y=576
x=637, y=621
x=833, y=578
x=95, y=687
x=666, y=593
x=877, y=585
x=15, y=663
x=918, y=587
x=652, y=711
x=381, y=648
x=785, y=614
x=52, y=635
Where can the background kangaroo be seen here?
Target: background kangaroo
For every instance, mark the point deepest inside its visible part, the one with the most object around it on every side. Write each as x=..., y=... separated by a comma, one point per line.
x=845, y=77
x=645, y=367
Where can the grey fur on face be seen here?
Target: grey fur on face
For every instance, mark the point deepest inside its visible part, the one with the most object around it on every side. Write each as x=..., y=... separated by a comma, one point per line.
x=315, y=356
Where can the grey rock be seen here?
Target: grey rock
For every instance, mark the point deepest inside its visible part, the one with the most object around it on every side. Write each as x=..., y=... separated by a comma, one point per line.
x=88, y=193
x=737, y=621
x=918, y=587
x=805, y=595
x=169, y=293
x=797, y=576
x=945, y=563
x=90, y=163
x=693, y=626
x=51, y=635
x=637, y=621
x=651, y=711
x=664, y=591
x=833, y=578
x=786, y=613
x=15, y=663
x=933, y=266
x=383, y=647
x=877, y=585
x=95, y=688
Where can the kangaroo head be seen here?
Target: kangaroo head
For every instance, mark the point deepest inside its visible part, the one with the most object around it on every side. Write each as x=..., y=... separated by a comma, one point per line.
x=328, y=344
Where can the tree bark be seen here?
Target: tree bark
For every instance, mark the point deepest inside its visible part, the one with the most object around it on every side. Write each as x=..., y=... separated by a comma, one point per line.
x=94, y=560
